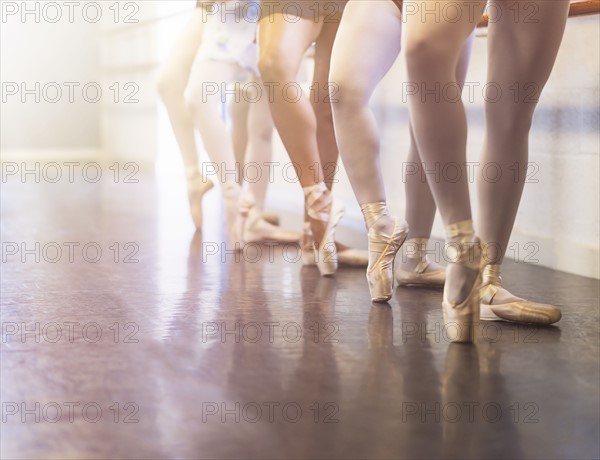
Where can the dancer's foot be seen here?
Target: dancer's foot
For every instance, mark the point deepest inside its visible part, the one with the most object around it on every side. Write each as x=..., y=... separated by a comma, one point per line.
x=386, y=236
x=499, y=304
x=256, y=229
x=324, y=213
x=463, y=278
x=415, y=269
x=347, y=256
x=197, y=187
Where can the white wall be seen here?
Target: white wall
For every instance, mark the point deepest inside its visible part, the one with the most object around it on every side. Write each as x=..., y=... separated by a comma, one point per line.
x=35, y=50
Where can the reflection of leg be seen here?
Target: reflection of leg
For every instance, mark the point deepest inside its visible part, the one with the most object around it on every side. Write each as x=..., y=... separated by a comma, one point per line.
x=460, y=386
x=415, y=268
x=206, y=110
x=359, y=63
x=508, y=122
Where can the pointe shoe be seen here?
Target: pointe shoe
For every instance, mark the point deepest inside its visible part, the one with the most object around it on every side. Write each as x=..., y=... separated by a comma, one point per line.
x=426, y=274
x=382, y=252
x=460, y=319
x=318, y=199
x=420, y=277
x=271, y=217
x=307, y=246
x=347, y=257
x=197, y=188
x=509, y=307
x=257, y=230
x=383, y=247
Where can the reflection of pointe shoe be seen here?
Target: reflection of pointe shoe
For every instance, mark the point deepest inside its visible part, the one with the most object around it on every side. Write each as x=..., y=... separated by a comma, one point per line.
x=271, y=217
x=350, y=257
x=425, y=274
x=383, y=247
x=322, y=206
x=197, y=188
x=499, y=304
x=464, y=249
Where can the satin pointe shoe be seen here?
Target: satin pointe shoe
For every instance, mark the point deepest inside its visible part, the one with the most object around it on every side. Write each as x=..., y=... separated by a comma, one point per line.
x=463, y=248
x=255, y=229
x=498, y=304
x=426, y=274
x=271, y=217
x=383, y=246
x=322, y=206
x=197, y=186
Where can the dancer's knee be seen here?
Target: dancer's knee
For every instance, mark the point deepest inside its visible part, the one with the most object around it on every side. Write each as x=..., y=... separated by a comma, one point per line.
x=347, y=92
x=426, y=57
x=274, y=65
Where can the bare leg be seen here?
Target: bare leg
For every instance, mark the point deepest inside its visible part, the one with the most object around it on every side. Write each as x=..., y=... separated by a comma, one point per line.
x=358, y=65
x=356, y=127
x=420, y=205
x=321, y=101
x=433, y=49
x=172, y=82
x=239, y=130
x=524, y=54
x=260, y=146
x=282, y=45
x=206, y=107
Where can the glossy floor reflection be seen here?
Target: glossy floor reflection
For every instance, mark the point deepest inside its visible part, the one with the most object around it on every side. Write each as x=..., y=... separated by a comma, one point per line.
x=179, y=355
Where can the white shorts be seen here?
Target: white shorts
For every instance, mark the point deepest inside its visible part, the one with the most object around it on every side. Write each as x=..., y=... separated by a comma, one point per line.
x=230, y=37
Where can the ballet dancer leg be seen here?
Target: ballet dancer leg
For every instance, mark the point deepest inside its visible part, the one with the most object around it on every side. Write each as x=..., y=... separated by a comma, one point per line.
x=356, y=127
x=521, y=55
x=255, y=227
x=172, y=81
x=205, y=107
x=414, y=268
x=240, y=126
x=238, y=111
x=433, y=49
x=323, y=93
x=282, y=45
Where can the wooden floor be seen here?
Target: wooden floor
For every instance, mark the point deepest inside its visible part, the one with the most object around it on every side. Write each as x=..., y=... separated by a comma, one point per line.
x=180, y=354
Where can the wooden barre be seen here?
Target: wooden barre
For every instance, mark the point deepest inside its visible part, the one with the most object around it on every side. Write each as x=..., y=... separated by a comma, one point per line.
x=583, y=8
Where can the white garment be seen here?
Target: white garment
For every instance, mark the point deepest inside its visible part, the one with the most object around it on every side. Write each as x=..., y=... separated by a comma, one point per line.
x=230, y=34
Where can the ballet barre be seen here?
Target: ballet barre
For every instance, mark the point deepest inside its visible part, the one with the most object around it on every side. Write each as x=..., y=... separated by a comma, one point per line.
x=582, y=8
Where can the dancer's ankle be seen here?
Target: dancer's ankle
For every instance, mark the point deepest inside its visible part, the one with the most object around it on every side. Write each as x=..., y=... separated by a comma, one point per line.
x=377, y=216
